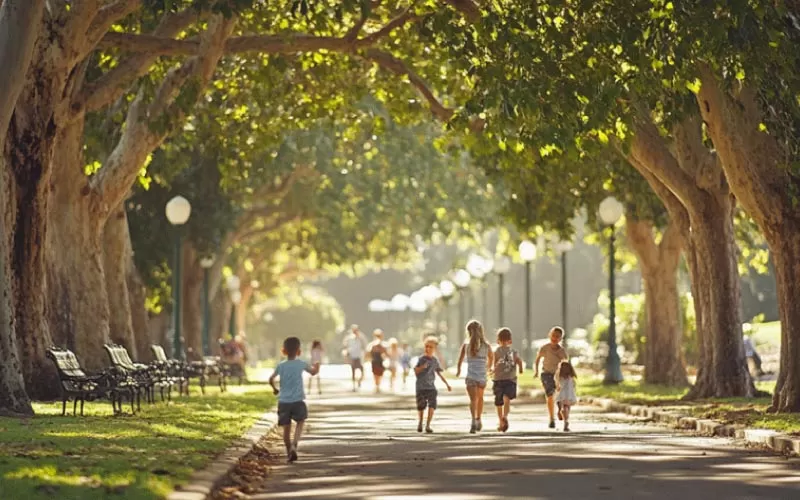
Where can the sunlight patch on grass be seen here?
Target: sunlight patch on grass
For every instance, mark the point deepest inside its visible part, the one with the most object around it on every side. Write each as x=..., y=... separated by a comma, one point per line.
x=140, y=456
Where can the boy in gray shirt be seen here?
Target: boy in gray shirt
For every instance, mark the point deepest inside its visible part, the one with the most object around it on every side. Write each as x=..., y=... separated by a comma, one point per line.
x=506, y=363
x=426, y=370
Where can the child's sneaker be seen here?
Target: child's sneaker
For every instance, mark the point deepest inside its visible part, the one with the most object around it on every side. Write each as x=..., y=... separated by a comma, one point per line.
x=419, y=428
x=478, y=425
x=473, y=428
x=428, y=430
x=552, y=424
x=292, y=456
x=566, y=427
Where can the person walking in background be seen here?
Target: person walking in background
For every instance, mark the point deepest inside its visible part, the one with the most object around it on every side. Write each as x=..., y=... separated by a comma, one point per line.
x=405, y=361
x=552, y=353
x=753, y=359
x=354, y=346
x=393, y=355
x=566, y=397
x=317, y=352
x=479, y=356
x=291, y=399
x=506, y=363
x=377, y=353
x=426, y=370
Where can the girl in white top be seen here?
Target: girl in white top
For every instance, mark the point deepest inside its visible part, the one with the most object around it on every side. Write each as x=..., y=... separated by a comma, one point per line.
x=565, y=385
x=479, y=356
x=393, y=356
x=316, y=359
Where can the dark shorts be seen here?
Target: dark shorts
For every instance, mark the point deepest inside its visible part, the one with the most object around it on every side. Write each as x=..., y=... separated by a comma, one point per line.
x=378, y=369
x=503, y=388
x=287, y=412
x=549, y=383
x=355, y=363
x=426, y=399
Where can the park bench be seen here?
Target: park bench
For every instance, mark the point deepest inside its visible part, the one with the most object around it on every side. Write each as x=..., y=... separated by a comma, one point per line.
x=141, y=378
x=77, y=385
x=175, y=370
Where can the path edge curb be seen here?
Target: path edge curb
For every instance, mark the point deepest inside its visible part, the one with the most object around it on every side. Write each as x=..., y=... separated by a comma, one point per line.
x=774, y=440
x=203, y=482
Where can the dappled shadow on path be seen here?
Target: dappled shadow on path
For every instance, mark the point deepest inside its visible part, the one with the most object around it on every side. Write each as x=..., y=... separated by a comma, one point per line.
x=368, y=448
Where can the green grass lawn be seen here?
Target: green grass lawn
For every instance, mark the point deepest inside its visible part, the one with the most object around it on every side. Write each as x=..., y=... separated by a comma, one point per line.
x=101, y=456
x=750, y=412
x=767, y=333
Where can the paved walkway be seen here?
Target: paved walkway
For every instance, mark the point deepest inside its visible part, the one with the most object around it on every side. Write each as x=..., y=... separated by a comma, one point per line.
x=364, y=446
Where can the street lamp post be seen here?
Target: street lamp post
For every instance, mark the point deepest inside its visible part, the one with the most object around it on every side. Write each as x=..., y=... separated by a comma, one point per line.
x=448, y=289
x=206, y=264
x=564, y=247
x=610, y=212
x=527, y=252
x=501, y=266
x=236, y=297
x=461, y=279
x=479, y=267
x=178, y=210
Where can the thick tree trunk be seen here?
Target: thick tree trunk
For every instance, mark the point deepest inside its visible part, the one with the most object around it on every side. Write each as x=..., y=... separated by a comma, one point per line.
x=159, y=328
x=725, y=371
x=79, y=313
x=117, y=253
x=137, y=294
x=243, y=307
x=192, y=307
x=785, y=247
x=659, y=264
x=220, y=320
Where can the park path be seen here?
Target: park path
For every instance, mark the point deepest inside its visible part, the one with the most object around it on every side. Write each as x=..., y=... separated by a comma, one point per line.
x=365, y=446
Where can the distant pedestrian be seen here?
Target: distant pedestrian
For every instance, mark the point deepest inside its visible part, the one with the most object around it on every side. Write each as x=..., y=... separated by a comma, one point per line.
x=291, y=399
x=753, y=359
x=317, y=351
x=354, y=346
x=405, y=361
x=393, y=355
x=479, y=356
x=426, y=370
x=566, y=397
x=552, y=353
x=506, y=363
x=377, y=353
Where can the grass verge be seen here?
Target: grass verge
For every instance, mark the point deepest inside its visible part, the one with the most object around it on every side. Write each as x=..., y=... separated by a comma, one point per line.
x=750, y=412
x=138, y=457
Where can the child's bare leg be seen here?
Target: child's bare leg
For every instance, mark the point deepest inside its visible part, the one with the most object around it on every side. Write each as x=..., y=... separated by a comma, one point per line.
x=551, y=407
x=298, y=433
x=565, y=410
x=287, y=437
x=430, y=417
x=506, y=406
x=472, y=401
x=479, y=402
x=421, y=413
x=499, y=414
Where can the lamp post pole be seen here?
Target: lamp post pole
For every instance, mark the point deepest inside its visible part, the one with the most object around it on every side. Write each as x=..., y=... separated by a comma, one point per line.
x=177, y=210
x=501, y=313
x=528, y=315
x=610, y=212
x=206, y=264
x=564, y=293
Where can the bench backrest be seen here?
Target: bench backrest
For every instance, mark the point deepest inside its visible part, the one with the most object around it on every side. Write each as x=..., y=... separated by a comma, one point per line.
x=158, y=353
x=119, y=356
x=66, y=363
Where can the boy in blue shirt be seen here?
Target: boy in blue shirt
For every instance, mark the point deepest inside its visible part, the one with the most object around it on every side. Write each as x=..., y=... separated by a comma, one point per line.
x=426, y=370
x=291, y=397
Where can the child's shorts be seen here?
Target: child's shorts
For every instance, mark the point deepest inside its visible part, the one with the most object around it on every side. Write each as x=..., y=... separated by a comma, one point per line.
x=297, y=411
x=503, y=388
x=549, y=383
x=426, y=399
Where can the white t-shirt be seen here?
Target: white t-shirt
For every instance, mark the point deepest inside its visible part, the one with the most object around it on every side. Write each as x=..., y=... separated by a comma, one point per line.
x=355, y=347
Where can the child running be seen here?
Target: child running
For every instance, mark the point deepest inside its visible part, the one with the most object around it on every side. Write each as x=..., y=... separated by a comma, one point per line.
x=552, y=353
x=479, y=357
x=565, y=383
x=316, y=359
x=426, y=370
x=506, y=363
x=291, y=404
x=405, y=362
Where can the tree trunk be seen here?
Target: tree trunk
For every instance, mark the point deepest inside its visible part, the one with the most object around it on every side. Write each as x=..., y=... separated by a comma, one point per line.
x=785, y=247
x=159, y=328
x=659, y=264
x=725, y=372
x=220, y=320
x=243, y=307
x=79, y=314
x=117, y=254
x=137, y=294
x=192, y=311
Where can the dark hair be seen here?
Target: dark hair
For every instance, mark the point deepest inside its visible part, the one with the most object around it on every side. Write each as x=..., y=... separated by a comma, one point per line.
x=558, y=330
x=504, y=335
x=565, y=370
x=316, y=343
x=292, y=346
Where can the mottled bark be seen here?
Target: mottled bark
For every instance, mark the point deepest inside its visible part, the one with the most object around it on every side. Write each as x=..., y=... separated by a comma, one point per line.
x=117, y=255
x=137, y=294
x=663, y=357
x=192, y=307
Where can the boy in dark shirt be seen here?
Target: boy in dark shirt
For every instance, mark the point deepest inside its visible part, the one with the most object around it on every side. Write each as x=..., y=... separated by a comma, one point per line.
x=426, y=370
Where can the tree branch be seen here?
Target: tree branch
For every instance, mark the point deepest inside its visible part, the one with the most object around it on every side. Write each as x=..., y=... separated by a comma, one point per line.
x=468, y=8
x=102, y=22
x=694, y=157
x=392, y=25
x=111, y=86
x=400, y=68
x=280, y=221
x=641, y=238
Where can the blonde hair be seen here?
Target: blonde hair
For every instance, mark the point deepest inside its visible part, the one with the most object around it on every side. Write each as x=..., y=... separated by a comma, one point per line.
x=430, y=339
x=477, y=338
